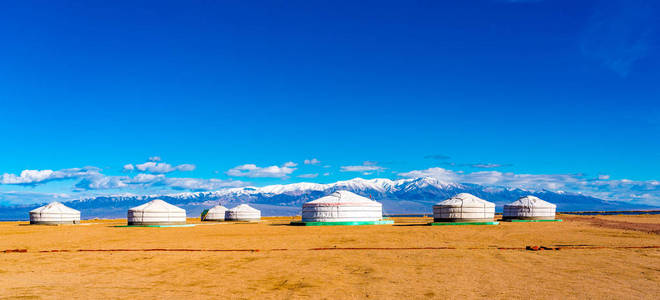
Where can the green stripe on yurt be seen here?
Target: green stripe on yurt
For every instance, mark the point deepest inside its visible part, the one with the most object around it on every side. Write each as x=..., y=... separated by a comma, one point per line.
x=181, y=225
x=463, y=223
x=520, y=221
x=382, y=222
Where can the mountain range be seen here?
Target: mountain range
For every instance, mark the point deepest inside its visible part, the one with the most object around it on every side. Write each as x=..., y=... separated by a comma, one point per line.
x=403, y=196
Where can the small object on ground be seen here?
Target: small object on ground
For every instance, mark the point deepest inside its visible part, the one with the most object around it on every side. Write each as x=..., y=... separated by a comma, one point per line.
x=539, y=248
x=14, y=251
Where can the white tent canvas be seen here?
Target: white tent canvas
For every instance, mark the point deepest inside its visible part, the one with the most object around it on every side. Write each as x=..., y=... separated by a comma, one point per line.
x=342, y=206
x=156, y=212
x=54, y=213
x=529, y=208
x=243, y=212
x=464, y=207
x=216, y=213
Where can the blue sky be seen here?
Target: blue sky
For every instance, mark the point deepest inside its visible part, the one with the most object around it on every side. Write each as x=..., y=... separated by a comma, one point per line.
x=534, y=94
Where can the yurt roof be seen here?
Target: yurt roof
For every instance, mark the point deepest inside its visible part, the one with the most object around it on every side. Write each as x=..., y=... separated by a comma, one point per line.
x=55, y=207
x=466, y=200
x=217, y=207
x=244, y=208
x=343, y=197
x=157, y=206
x=531, y=201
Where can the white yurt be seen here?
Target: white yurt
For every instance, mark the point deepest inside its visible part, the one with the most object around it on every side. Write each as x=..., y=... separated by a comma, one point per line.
x=464, y=207
x=156, y=212
x=243, y=212
x=342, y=206
x=216, y=213
x=54, y=213
x=529, y=208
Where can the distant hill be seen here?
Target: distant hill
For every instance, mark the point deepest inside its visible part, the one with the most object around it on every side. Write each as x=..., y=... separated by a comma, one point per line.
x=398, y=197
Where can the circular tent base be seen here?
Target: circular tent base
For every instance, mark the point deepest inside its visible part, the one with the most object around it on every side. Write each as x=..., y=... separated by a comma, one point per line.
x=162, y=225
x=463, y=223
x=155, y=223
x=531, y=220
x=350, y=223
x=504, y=218
x=243, y=221
x=54, y=223
x=461, y=220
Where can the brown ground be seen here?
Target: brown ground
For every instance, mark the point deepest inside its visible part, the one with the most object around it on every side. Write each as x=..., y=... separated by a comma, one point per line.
x=617, y=222
x=596, y=260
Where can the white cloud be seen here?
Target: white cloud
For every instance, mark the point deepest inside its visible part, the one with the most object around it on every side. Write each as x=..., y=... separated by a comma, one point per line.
x=155, y=167
x=29, y=197
x=27, y=177
x=494, y=178
x=128, y=167
x=326, y=174
x=600, y=187
x=155, y=158
x=366, y=166
x=90, y=178
x=359, y=168
x=314, y=175
x=251, y=170
x=186, y=167
x=101, y=182
x=439, y=173
x=289, y=164
x=197, y=184
x=161, y=168
x=145, y=180
x=32, y=177
x=312, y=161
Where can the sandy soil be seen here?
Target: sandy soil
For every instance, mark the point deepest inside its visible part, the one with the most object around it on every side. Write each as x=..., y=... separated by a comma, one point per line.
x=637, y=219
x=282, y=262
x=617, y=222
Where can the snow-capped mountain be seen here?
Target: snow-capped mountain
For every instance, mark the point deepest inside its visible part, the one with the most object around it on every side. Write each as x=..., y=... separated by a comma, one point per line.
x=415, y=195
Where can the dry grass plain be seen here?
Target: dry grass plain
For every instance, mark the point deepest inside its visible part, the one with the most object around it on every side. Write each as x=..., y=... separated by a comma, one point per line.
x=284, y=264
